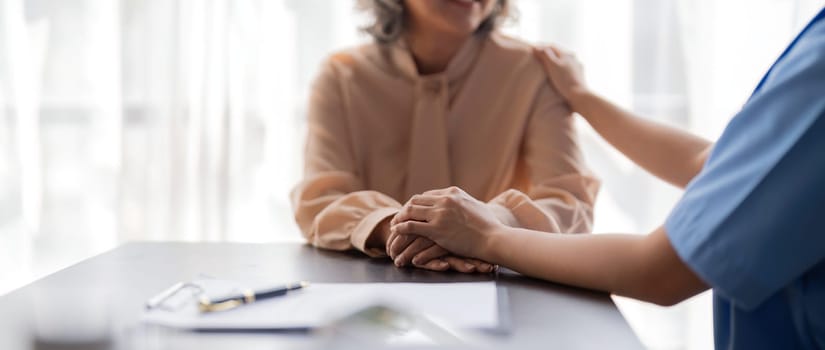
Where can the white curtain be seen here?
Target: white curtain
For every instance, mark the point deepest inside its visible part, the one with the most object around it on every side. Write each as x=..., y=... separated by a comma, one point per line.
x=183, y=119
x=150, y=120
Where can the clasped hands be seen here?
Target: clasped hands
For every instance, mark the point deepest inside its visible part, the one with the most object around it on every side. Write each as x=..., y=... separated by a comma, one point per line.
x=441, y=230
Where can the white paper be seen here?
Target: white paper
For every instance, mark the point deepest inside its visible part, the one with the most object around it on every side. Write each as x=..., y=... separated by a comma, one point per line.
x=462, y=305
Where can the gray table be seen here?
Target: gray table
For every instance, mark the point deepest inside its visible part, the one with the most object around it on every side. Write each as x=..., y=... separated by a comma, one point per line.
x=105, y=294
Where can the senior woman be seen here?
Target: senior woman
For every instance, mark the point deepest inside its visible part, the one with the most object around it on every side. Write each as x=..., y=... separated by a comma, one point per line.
x=439, y=99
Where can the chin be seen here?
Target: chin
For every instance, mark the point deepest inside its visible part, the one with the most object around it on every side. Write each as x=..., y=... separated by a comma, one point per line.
x=464, y=30
x=461, y=26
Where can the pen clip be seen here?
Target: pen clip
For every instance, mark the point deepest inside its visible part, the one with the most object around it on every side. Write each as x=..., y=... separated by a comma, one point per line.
x=206, y=305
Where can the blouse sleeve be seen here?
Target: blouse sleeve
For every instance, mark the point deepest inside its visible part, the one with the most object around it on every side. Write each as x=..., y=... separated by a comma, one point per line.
x=331, y=206
x=561, y=191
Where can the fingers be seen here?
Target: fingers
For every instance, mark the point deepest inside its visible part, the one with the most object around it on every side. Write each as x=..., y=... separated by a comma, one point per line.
x=481, y=266
x=459, y=264
x=467, y=265
x=418, y=208
x=444, y=262
x=547, y=56
x=413, y=212
x=391, y=237
x=398, y=244
x=427, y=255
x=424, y=200
x=446, y=191
x=439, y=192
x=412, y=250
x=552, y=56
x=435, y=265
x=557, y=53
x=414, y=228
x=550, y=60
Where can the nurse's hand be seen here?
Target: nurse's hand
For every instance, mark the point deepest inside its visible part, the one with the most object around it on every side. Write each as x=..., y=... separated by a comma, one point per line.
x=452, y=219
x=565, y=72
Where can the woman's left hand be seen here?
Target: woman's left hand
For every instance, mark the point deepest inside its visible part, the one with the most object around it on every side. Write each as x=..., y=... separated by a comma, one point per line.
x=452, y=219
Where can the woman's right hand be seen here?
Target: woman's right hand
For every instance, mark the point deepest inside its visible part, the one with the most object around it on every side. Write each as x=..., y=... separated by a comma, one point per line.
x=565, y=72
x=425, y=254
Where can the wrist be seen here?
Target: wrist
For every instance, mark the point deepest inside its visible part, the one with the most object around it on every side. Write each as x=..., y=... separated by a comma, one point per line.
x=379, y=236
x=579, y=99
x=491, y=245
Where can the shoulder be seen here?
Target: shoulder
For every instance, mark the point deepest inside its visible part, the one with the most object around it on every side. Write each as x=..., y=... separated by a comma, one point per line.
x=349, y=61
x=513, y=61
x=516, y=54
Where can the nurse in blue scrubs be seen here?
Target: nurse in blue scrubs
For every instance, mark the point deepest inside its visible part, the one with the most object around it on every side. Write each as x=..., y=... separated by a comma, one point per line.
x=751, y=224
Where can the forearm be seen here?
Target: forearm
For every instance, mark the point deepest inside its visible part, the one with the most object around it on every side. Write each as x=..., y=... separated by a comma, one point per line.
x=586, y=261
x=671, y=154
x=331, y=220
x=628, y=265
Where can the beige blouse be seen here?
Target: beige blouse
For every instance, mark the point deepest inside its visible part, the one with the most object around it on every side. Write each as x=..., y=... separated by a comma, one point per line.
x=491, y=124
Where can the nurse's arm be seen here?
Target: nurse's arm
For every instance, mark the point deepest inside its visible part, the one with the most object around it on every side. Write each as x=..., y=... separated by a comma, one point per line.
x=637, y=266
x=644, y=267
x=671, y=154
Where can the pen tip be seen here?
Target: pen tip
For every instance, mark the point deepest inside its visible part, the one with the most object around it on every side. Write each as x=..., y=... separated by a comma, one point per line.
x=304, y=284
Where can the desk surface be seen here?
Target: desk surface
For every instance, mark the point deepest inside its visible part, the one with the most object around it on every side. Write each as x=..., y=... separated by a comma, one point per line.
x=115, y=285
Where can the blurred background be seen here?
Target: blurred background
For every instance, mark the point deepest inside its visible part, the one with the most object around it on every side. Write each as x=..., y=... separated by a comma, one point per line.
x=183, y=120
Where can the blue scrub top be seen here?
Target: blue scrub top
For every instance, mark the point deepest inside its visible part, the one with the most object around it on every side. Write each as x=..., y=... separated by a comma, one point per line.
x=752, y=223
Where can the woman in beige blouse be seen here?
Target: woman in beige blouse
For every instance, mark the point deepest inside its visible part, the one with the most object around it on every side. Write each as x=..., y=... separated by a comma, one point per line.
x=439, y=99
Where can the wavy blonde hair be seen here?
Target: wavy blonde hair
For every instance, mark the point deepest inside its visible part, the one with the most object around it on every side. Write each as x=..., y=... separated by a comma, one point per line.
x=389, y=18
